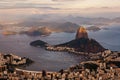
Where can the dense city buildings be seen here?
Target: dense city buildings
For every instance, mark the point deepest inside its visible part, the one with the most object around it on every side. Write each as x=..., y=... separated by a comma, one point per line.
x=104, y=68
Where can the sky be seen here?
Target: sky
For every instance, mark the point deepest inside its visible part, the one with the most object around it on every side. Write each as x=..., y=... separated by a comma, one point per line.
x=13, y=8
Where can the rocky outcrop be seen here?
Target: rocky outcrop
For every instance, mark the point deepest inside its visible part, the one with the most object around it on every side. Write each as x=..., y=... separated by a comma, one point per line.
x=81, y=44
x=39, y=43
x=81, y=33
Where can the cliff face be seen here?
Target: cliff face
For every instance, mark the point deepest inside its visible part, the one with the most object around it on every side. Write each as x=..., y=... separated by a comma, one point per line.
x=81, y=33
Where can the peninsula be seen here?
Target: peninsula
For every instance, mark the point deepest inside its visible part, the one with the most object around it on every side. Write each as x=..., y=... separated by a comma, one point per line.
x=81, y=44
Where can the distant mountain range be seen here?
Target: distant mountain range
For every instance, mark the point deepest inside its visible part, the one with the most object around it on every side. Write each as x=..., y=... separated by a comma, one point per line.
x=56, y=23
x=41, y=30
x=93, y=28
x=47, y=20
x=37, y=31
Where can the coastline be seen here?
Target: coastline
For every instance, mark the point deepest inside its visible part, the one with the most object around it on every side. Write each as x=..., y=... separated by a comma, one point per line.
x=100, y=64
x=85, y=70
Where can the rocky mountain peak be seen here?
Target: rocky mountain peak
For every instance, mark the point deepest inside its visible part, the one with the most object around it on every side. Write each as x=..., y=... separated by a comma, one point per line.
x=81, y=33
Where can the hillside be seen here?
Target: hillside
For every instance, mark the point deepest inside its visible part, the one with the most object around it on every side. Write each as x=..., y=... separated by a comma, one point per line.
x=83, y=45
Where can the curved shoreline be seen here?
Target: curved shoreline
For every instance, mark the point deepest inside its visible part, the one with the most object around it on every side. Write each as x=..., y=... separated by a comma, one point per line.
x=23, y=70
x=65, y=49
x=84, y=70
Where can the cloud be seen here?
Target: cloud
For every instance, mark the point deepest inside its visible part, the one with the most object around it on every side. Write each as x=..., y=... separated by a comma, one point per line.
x=17, y=4
x=24, y=7
x=13, y=0
x=28, y=5
x=68, y=0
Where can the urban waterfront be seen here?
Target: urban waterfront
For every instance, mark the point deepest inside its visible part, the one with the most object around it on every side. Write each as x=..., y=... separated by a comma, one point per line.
x=49, y=60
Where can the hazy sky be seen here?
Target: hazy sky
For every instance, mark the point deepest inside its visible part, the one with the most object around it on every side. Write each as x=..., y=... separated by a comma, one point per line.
x=77, y=7
x=62, y=4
